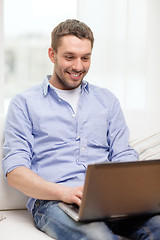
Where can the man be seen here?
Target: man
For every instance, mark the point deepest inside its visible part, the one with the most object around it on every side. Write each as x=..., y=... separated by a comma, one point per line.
x=54, y=130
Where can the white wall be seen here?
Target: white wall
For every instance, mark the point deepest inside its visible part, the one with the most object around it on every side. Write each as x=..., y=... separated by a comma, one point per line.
x=126, y=54
x=153, y=54
x=1, y=59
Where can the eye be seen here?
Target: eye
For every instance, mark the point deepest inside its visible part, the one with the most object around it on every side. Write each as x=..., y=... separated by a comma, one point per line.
x=69, y=58
x=85, y=59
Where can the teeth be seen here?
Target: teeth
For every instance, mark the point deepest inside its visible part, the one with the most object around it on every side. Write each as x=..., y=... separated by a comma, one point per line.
x=75, y=75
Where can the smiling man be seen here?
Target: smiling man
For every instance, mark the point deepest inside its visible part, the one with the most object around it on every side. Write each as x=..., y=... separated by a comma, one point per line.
x=55, y=129
x=71, y=62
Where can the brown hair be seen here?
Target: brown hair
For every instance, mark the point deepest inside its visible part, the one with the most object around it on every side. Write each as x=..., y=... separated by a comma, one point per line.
x=70, y=27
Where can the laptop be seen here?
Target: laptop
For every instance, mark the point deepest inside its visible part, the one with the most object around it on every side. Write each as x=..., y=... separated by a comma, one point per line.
x=118, y=190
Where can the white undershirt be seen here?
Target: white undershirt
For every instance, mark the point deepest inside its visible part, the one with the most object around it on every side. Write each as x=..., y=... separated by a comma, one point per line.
x=70, y=96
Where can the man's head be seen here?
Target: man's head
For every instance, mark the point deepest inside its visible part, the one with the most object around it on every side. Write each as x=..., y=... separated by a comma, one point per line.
x=70, y=27
x=70, y=51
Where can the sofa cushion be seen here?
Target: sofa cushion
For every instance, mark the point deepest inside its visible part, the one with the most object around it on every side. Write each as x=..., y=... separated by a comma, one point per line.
x=18, y=224
x=9, y=198
x=149, y=147
x=142, y=123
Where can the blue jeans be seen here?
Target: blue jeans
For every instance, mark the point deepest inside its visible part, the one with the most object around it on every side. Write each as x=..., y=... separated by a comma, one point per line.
x=49, y=218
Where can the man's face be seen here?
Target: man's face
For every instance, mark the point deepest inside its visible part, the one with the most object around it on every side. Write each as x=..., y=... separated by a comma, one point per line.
x=71, y=62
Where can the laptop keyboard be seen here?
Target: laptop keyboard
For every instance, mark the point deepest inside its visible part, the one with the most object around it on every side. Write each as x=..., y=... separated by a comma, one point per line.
x=74, y=207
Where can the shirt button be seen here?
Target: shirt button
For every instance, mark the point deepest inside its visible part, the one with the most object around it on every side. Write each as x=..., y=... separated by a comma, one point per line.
x=60, y=100
x=82, y=148
x=73, y=115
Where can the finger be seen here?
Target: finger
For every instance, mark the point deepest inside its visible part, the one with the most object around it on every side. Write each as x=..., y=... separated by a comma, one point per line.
x=79, y=194
x=77, y=201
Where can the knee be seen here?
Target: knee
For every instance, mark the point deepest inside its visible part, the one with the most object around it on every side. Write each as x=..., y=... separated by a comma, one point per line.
x=154, y=223
x=151, y=228
x=98, y=231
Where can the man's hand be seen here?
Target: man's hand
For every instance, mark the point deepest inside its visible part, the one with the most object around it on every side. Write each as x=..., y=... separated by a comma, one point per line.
x=71, y=195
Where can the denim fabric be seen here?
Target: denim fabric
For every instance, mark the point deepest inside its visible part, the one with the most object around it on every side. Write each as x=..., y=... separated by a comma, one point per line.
x=49, y=218
x=138, y=228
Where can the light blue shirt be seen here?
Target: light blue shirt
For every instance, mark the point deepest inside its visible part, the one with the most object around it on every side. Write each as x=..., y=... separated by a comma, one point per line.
x=44, y=134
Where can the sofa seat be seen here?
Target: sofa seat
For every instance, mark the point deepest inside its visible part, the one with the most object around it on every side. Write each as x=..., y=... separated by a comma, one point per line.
x=18, y=224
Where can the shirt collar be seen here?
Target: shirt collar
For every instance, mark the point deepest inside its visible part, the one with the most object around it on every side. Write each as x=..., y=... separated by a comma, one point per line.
x=85, y=86
x=46, y=85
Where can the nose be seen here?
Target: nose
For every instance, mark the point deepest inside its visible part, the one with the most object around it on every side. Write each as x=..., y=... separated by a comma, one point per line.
x=77, y=65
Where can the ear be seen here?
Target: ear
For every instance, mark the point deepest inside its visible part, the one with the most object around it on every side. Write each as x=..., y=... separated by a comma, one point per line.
x=51, y=54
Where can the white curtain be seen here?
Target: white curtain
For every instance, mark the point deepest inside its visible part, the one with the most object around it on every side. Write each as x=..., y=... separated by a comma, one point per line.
x=126, y=54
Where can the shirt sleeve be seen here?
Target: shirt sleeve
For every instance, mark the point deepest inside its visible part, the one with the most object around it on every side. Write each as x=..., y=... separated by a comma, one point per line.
x=18, y=138
x=118, y=137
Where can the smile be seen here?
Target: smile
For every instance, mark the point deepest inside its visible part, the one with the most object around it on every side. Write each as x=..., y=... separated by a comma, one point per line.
x=75, y=75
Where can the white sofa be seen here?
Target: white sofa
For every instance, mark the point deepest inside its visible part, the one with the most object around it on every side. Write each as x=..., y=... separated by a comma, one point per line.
x=18, y=223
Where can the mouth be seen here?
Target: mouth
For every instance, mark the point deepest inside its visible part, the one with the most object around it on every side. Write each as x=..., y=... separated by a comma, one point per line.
x=75, y=76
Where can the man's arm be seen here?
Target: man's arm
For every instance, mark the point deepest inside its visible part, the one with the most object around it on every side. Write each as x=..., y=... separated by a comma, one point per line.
x=118, y=137
x=32, y=185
